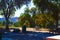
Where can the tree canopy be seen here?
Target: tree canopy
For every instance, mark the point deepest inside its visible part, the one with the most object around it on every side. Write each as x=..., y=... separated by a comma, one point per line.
x=8, y=7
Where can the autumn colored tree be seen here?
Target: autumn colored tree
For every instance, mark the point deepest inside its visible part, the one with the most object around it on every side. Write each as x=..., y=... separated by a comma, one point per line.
x=44, y=5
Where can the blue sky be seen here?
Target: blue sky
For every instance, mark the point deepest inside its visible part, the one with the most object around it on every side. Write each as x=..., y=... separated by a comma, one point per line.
x=21, y=10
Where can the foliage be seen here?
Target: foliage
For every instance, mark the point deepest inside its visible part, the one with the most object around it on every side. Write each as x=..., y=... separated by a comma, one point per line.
x=24, y=19
x=33, y=10
x=16, y=24
x=0, y=24
x=8, y=8
x=51, y=8
x=43, y=19
x=3, y=23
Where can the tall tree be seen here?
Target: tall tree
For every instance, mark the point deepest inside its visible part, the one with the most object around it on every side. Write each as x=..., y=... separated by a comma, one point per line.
x=24, y=19
x=8, y=7
x=44, y=5
x=33, y=12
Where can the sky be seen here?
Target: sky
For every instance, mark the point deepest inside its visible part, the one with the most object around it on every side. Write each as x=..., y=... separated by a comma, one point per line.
x=21, y=10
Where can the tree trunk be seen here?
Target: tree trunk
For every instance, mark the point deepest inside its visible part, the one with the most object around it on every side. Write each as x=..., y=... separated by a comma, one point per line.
x=7, y=23
x=24, y=29
x=57, y=21
x=1, y=33
x=56, y=18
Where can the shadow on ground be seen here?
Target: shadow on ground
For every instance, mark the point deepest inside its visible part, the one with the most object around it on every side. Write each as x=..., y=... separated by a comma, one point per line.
x=26, y=36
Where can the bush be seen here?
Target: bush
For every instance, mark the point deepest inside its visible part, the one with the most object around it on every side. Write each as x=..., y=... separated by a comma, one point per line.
x=16, y=24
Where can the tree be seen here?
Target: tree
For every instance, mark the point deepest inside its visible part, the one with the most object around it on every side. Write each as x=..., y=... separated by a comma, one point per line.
x=38, y=19
x=16, y=24
x=3, y=23
x=8, y=7
x=44, y=5
x=24, y=19
x=33, y=12
x=0, y=23
x=41, y=4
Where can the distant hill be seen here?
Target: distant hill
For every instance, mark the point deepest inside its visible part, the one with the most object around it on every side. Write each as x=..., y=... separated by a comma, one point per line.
x=1, y=19
x=14, y=19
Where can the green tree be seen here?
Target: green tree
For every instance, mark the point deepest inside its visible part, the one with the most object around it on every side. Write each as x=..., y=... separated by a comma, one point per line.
x=0, y=24
x=7, y=8
x=44, y=5
x=33, y=12
x=3, y=23
x=16, y=24
x=24, y=19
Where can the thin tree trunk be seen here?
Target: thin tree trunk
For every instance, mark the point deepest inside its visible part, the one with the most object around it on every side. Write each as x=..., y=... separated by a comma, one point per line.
x=56, y=18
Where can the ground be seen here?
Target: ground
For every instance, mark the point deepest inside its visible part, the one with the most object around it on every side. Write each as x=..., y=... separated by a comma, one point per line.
x=27, y=36
x=31, y=34
x=34, y=29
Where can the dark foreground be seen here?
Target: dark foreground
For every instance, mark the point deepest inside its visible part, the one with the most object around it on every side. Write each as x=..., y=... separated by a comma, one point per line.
x=26, y=36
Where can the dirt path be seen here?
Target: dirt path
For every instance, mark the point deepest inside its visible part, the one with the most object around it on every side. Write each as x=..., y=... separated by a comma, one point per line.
x=34, y=29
